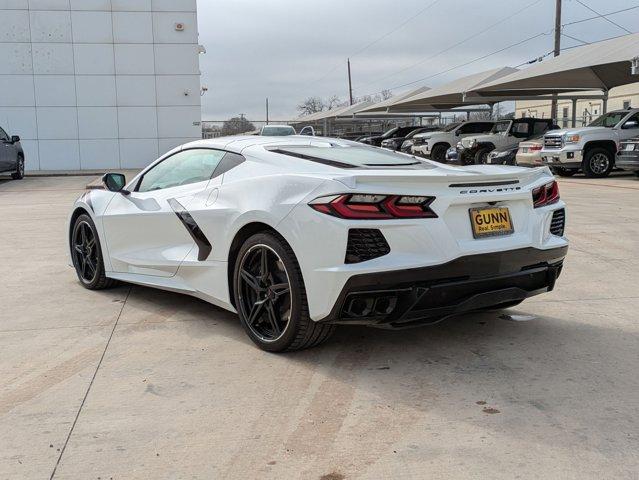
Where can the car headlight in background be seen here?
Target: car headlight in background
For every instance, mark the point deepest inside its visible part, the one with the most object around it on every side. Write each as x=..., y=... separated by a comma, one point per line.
x=572, y=139
x=407, y=144
x=460, y=145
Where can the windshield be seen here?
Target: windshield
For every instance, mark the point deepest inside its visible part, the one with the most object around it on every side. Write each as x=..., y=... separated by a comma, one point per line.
x=451, y=127
x=278, y=131
x=351, y=157
x=608, y=120
x=501, y=127
x=390, y=132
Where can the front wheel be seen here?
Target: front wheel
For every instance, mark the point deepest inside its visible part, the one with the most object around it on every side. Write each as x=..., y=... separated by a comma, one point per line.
x=439, y=153
x=481, y=157
x=86, y=253
x=271, y=299
x=598, y=163
x=19, y=173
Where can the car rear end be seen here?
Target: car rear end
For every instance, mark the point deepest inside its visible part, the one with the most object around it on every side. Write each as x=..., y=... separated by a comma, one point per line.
x=400, y=248
x=628, y=155
x=529, y=153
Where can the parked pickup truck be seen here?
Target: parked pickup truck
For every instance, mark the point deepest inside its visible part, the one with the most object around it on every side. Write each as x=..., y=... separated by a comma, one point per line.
x=591, y=149
x=628, y=155
x=435, y=144
x=475, y=149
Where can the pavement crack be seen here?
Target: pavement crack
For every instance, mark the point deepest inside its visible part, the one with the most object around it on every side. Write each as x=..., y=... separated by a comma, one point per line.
x=86, y=394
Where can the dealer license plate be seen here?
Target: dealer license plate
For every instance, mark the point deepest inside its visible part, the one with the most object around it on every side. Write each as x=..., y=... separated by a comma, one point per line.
x=491, y=222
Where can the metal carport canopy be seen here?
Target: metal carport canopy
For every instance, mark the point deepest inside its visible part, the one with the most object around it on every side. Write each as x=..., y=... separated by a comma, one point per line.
x=450, y=95
x=346, y=111
x=598, y=66
x=382, y=106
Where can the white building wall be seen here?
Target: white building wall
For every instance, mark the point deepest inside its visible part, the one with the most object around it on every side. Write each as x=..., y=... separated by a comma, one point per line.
x=99, y=84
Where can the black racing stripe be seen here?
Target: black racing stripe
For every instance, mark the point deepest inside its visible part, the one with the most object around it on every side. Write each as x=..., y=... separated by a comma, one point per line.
x=193, y=228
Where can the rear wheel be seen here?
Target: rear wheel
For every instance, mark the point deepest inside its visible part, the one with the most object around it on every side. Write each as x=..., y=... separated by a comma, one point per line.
x=598, y=163
x=271, y=299
x=87, y=255
x=564, y=172
x=439, y=153
x=19, y=173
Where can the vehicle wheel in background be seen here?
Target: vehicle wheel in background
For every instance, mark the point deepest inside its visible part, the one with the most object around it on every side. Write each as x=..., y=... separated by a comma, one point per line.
x=19, y=173
x=564, y=172
x=86, y=253
x=598, y=163
x=439, y=153
x=481, y=157
x=271, y=299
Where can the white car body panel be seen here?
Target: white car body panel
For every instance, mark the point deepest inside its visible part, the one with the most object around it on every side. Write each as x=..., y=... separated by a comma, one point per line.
x=144, y=242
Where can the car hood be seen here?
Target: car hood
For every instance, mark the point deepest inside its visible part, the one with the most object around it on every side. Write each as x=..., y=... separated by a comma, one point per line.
x=480, y=138
x=577, y=131
x=428, y=135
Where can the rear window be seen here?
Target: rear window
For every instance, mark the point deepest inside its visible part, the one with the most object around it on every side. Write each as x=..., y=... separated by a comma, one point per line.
x=351, y=157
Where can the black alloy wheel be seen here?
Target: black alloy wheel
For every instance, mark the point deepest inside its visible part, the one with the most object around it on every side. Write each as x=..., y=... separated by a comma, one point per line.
x=87, y=255
x=19, y=173
x=265, y=293
x=270, y=296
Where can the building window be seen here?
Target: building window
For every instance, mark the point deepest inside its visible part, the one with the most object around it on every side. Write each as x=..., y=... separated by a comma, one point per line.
x=626, y=104
x=564, y=117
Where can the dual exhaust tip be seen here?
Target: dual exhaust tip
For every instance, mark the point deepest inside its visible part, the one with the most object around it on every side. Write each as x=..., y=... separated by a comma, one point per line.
x=362, y=306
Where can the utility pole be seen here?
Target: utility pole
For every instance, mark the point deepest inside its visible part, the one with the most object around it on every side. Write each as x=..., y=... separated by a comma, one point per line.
x=350, y=83
x=553, y=108
x=267, y=110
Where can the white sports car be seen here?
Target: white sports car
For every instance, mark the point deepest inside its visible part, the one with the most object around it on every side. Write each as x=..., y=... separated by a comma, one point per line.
x=299, y=234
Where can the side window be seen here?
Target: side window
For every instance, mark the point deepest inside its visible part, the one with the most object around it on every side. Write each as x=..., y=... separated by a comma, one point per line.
x=520, y=129
x=539, y=128
x=635, y=121
x=486, y=127
x=3, y=136
x=466, y=128
x=230, y=161
x=183, y=168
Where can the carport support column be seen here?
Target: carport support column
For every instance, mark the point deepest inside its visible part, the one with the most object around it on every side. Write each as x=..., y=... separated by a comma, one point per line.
x=574, y=112
x=604, y=106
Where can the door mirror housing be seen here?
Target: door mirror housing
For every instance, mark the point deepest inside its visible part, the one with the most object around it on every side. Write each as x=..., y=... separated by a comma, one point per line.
x=115, y=182
x=630, y=124
x=15, y=139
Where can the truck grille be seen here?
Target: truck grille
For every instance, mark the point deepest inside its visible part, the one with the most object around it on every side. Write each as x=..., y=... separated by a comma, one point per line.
x=365, y=244
x=553, y=142
x=558, y=223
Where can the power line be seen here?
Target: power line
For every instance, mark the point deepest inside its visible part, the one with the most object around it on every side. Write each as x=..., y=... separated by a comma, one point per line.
x=421, y=62
x=600, y=16
x=379, y=39
x=575, y=38
x=603, y=16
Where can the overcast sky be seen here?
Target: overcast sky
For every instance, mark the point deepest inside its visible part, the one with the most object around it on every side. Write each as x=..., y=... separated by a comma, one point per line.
x=288, y=50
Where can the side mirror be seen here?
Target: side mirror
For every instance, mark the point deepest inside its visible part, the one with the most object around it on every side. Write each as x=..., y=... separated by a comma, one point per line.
x=308, y=131
x=630, y=124
x=115, y=182
x=15, y=139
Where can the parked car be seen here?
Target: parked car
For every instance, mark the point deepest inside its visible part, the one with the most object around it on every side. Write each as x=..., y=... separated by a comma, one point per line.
x=395, y=132
x=503, y=156
x=628, y=155
x=300, y=236
x=591, y=149
x=529, y=153
x=11, y=155
x=277, y=131
x=435, y=144
x=403, y=143
x=475, y=149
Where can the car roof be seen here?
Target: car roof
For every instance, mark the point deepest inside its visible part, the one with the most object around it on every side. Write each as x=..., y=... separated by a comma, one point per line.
x=239, y=143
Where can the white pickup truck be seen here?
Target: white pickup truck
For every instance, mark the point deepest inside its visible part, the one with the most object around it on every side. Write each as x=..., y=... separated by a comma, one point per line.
x=434, y=144
x=591, y=149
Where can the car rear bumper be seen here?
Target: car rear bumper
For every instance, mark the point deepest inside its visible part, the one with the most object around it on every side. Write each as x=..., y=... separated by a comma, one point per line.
x=628, y=161
x=420, y=296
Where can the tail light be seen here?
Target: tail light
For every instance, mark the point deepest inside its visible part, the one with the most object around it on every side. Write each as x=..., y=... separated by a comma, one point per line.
x=375, y=207
x=546, y=194
x=534, y=148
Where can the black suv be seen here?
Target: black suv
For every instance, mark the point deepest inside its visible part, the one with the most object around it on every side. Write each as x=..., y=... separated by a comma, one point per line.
x=397, y=132
x=11, y=155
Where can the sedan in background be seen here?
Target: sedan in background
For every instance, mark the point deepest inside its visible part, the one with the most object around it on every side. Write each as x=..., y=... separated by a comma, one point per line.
x=628, y=155
x=396, y=132
x=404, y=144
x=503, y=156
x=277, y=131
x=529, y=154
x=11, y=155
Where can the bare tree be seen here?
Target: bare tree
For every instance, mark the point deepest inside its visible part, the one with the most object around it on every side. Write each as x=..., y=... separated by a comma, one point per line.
x=311, y=105
x=333, y=102
x=480, y=115
x=386, y=94
x=237, y=125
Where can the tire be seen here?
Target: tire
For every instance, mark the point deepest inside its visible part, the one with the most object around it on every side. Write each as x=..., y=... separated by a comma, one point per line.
x=275, y=322
x=481, y=157
x=598, y=163
x=19, y=173
x=439, y=153
x=564, y=172
x=88, y=263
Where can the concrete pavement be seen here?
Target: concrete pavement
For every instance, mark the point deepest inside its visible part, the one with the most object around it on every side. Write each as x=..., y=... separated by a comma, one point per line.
x=176, y=390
